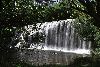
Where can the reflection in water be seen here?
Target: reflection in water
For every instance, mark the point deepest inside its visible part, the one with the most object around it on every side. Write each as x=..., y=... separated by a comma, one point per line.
x=47, y=56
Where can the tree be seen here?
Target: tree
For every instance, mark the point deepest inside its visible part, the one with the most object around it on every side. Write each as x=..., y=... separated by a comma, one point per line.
x=19, y=13
x=90, y=7
x=88, y=25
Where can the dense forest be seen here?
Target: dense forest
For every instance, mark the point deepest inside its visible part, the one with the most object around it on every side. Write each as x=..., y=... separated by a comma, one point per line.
x=15, y=14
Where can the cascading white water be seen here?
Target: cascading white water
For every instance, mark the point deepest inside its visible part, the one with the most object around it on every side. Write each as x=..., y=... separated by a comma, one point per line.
x=60, y=36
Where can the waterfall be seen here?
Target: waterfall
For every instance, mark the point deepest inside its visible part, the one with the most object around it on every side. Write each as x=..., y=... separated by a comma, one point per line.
x=59, y=36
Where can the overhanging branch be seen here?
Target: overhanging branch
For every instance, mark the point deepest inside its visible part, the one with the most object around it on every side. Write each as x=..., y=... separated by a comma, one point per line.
x=76, y=8
x=84, y=11
x=74, y=3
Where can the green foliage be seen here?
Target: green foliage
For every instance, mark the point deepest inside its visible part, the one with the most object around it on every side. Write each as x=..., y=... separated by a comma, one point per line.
x=24, y=12
x=85, y=29
x=86, y=25
x=5, y=37
x=89, y=7
x=18, y=13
